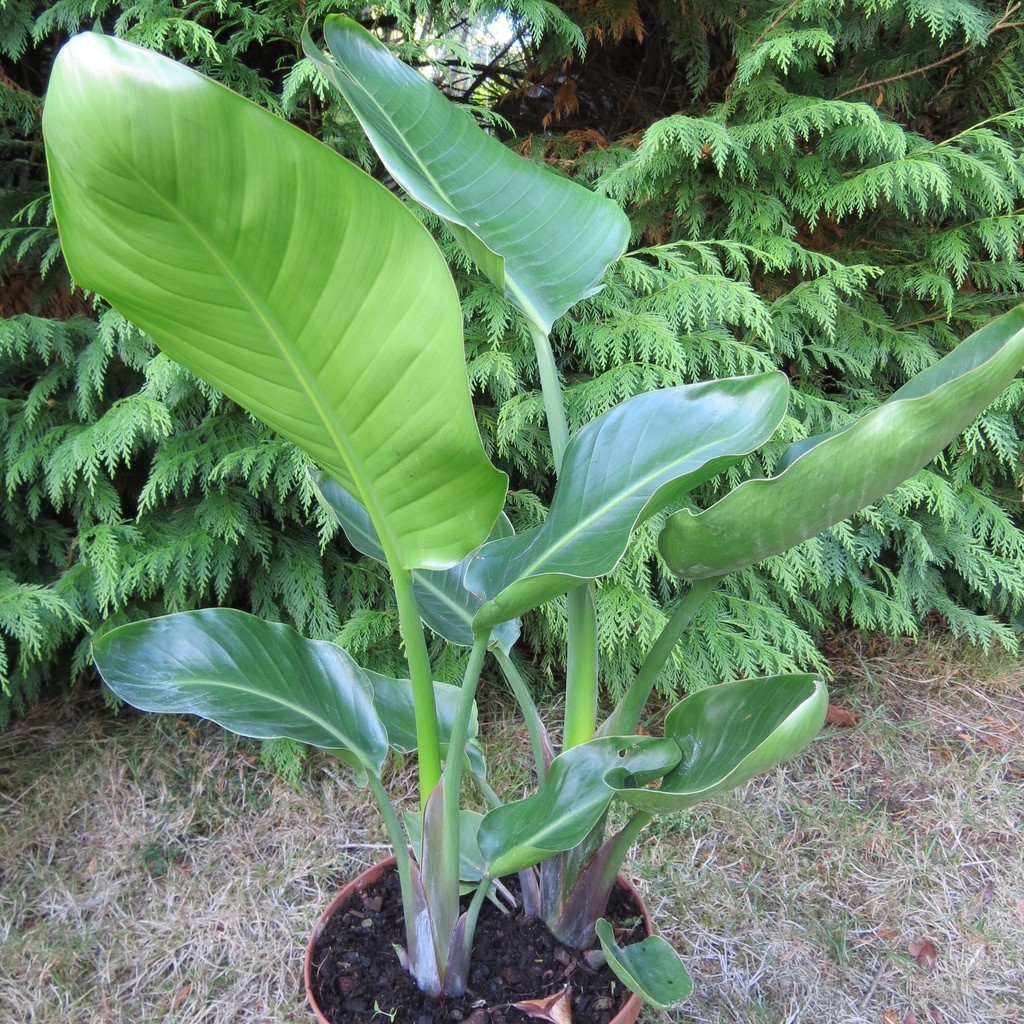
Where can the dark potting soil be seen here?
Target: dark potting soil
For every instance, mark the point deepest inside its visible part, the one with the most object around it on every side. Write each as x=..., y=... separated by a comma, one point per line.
x=357, y=978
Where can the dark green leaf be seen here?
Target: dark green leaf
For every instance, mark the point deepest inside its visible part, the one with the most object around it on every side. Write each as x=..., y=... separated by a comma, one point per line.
x=731, y=732
x=826, y=479
x=576, y=793
x=253, y=677
x=633, y=461
x=471, y=860
x=651, y=968
x=545, y=239
x=393, y=702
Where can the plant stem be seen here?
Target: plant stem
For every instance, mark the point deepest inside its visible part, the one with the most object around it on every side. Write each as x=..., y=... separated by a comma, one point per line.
x=626, y=716
x=452, y=781
x=614, y=854
x=580, y=667
x=474, y=908
x=492, y=798
x=463, y=715
x=428, y=743
x=398, y=841
x=625, y=838
x=529, y=709
x=551, y=389
x=584, y=898
x=581, y=643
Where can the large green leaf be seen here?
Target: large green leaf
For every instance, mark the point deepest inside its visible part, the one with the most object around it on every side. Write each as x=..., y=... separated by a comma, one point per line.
x=545, y=239
x=281, y=274
x=393, y=703
x=826, y=479
x=730, y=733
x=651, y=968
x=446, y=605
x=577, y=792
x=619, y=469
x=255, y=678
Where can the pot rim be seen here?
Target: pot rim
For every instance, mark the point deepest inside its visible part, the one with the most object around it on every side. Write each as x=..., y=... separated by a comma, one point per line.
x=627, y=1014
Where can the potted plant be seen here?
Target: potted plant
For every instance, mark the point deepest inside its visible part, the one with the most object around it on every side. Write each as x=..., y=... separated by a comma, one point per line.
x=305, y=291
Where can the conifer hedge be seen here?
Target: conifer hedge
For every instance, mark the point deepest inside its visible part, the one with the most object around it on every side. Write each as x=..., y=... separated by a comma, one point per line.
x=832, y=188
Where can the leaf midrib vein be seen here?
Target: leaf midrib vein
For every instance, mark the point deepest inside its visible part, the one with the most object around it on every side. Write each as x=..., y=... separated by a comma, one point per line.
x=279, y=340
x=620, y=498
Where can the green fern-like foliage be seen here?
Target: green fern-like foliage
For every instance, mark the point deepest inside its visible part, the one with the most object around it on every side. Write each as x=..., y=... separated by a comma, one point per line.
x=129, y=487
x=830, y=188
x=836, y=190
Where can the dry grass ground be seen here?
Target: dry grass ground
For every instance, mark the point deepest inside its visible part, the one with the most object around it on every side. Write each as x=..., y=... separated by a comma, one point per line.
x=151, y=870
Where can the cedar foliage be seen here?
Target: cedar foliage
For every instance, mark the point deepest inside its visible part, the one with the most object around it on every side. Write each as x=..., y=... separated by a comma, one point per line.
x=836, y=189
x=833, y=188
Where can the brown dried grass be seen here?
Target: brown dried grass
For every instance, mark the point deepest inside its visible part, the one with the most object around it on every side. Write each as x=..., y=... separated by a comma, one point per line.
x=152, y=870
x=798, y=897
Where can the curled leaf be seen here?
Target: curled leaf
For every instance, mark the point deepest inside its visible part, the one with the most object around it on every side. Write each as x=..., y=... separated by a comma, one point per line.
x=556, y=1008
x=651, y=968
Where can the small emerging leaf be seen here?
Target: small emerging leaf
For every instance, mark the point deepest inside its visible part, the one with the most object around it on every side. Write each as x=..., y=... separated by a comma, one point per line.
x=652, y=968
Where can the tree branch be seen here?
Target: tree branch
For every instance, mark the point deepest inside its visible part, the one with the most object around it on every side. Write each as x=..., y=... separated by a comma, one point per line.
x=1003, y=23
x=775, y=24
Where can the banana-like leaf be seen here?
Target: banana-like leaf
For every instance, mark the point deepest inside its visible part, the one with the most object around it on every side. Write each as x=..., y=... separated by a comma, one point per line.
x=651, y=968
x=393, y=701
x=281, y=274
x=576, y=793
x=545, y=240
x=254, y=678
x=471, y=860
x=446, y=605
x=620, y=468
x=731, y=732
x=826, y=479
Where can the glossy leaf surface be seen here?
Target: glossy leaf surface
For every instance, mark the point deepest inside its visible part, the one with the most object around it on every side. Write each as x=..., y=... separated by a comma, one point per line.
x=254, y=678
x=393, y=702
x=446, y=605
x=439, y=870
x=732, y=732
x=577, y=792
x=471, y=860
x=651, y=968
x=826, y=479
x=280, y=273
x=619, y=469
x=545, y=240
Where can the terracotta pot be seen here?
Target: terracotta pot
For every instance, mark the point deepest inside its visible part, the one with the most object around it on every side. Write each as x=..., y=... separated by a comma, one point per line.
x=627, y=1015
